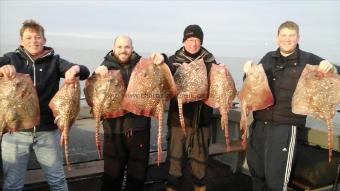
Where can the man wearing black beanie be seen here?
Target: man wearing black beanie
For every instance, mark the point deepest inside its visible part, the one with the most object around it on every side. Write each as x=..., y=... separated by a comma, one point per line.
x=197, y=117
x=193, y=31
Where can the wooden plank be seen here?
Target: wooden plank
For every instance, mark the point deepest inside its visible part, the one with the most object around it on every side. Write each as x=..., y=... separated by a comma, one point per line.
x=77, y=170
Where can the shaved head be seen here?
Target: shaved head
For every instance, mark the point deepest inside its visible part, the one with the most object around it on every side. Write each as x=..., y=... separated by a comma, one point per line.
x=123, y=38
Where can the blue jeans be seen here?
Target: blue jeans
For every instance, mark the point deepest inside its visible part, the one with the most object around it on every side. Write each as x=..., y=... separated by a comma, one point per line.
x=16, y=149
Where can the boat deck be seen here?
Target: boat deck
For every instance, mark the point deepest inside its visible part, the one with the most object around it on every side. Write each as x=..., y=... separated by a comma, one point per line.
x=219, y=177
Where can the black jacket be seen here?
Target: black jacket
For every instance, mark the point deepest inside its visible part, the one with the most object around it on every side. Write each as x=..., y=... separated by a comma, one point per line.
x=130, y=121
x=45, y=72
x=196, y=114
x=283, y=74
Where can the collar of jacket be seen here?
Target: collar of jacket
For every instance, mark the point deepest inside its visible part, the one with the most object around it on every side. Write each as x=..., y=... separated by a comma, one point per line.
x=182, y=56
x=294, y=55
x=114, y=63
x=47, y=51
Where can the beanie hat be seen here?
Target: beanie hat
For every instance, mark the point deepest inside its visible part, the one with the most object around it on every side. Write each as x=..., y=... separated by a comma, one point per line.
x=193, y=31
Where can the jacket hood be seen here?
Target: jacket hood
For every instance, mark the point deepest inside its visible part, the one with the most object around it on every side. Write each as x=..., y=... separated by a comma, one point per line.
x=47, y=51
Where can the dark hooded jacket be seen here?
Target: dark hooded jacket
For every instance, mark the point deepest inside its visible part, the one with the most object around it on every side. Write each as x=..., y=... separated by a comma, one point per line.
x=196, y=114
x=128, y=122
x=45, y=72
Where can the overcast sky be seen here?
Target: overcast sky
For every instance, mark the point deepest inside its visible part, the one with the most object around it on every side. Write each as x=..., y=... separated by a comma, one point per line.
x=231, y=28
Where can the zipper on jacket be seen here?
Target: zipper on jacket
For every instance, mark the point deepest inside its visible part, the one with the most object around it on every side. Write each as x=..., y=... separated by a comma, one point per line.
x=34, y=76
x=33, y=65
x=34, y=135
x=35, y=85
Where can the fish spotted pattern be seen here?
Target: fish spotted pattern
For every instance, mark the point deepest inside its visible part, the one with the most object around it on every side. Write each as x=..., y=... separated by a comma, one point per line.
x=192, y=84
x=19, y=104
x=65, y=106
x=150, y=87
x=104, y=94
x=317, y=95
x=222, y=92
x=255, y=94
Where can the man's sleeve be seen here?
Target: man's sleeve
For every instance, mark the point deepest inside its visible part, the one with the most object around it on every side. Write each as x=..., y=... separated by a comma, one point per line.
x=169, y=61
x=4, y=61
x=314, y=59
x=64, y=65
x=337, y=68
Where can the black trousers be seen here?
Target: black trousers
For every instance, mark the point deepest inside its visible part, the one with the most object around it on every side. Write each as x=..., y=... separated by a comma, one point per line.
x=270, y=154
x=122, y=151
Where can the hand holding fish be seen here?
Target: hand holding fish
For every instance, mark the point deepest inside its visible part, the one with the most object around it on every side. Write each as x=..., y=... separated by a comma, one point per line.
x=70, y=75
x=325, y=66
x=247, y=66
x=8, y=71
x=101, y=70
x=157, y=58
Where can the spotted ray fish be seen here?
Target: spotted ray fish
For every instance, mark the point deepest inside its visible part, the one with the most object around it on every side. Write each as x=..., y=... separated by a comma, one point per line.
x=317, y=95
x=104, y=94
x=255, y=95
x=19, y=103
x=65, y=106
x=222, y=92
x=192, y=83
x=150, y=87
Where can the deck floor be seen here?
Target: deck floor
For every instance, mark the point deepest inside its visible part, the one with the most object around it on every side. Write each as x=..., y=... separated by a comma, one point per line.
x=219, y=177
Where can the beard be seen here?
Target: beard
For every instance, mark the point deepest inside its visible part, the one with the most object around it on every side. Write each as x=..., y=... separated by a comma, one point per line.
x=120, y=61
